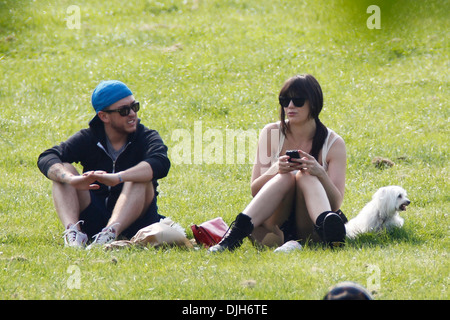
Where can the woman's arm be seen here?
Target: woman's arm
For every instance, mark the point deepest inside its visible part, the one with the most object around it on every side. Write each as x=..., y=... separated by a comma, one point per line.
x=264, y=169
x=332, y=181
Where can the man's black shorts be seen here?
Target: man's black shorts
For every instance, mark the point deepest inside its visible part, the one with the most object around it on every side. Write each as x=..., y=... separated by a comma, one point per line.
x=96, y=216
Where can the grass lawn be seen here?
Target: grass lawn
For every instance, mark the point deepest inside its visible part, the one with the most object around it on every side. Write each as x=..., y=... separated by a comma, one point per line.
x=204, y=69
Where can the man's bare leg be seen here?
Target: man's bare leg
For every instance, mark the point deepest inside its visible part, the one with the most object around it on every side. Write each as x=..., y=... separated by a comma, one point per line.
x=68, y=201
x=131, y=204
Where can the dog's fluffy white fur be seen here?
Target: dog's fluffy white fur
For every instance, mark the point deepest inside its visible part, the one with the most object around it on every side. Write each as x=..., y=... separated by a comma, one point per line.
x=380, y=213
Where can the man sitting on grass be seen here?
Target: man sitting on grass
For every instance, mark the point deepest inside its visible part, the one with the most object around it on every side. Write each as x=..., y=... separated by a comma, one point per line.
x=122, y=161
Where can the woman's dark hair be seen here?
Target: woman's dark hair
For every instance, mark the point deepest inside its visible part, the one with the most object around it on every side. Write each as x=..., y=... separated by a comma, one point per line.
x=306, y=86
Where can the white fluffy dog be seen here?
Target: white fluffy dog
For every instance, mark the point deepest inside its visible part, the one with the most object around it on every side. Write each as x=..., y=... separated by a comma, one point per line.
x=380, y=213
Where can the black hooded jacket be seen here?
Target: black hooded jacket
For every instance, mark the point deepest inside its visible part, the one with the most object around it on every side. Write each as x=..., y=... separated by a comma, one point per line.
x=88, y=147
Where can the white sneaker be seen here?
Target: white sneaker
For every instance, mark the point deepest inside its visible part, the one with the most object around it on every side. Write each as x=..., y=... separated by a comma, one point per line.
x=289, y=247
x=107, y=235
x=73, y=237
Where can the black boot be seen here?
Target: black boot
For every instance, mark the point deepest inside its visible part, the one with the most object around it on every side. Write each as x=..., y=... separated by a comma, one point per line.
x=330, y=227
x=240, y=228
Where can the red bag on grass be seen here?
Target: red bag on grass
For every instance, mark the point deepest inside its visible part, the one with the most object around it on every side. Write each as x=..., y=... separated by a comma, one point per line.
x=210, y=232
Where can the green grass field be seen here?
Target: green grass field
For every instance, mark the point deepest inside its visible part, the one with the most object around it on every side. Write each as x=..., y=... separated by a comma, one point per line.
x=218, y=66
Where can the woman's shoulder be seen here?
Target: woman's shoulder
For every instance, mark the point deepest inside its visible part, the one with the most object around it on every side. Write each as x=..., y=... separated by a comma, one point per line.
x=334, y=142
x=272, y=126
x=271, y=130
x=333, y=136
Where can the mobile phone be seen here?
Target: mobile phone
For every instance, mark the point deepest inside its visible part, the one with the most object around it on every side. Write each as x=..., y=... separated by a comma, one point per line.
x=293, y=154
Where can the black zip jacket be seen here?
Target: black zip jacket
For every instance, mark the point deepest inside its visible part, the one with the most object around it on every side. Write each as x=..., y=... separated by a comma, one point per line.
x=88, y=147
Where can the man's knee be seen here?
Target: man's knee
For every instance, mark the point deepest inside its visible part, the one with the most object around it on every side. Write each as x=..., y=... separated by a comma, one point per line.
x=140, y=190
x=130, y=186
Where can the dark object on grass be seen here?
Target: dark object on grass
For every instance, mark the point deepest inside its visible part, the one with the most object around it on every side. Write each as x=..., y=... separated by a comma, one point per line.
x=382, y=163
x=348, y=291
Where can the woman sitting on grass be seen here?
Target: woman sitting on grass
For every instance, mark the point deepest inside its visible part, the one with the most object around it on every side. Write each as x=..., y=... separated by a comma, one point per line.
x=295, y=199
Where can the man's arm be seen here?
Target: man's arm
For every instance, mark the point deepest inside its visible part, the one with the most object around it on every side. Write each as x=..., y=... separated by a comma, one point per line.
x=59, y=173
x=70, y=151
x=155, y=154
x=142, y=172
x=154, y=165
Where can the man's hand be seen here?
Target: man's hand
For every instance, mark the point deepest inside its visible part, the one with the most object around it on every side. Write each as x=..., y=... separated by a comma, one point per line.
x=109, y=179
x=83, y=182
x=68, y=175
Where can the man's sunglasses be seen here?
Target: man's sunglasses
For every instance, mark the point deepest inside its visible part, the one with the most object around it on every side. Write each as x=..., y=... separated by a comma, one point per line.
x=284, y=101
x=125, y=110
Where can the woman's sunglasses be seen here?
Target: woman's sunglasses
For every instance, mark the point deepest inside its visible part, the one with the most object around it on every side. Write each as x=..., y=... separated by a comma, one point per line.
x=125, y=110
x=284, y=101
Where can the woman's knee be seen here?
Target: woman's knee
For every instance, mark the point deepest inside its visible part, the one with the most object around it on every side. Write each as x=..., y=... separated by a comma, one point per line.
x=303, y=180
x=285, y=181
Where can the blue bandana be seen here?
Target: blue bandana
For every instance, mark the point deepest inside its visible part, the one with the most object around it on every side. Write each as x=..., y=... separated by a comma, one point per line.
x=109, y=92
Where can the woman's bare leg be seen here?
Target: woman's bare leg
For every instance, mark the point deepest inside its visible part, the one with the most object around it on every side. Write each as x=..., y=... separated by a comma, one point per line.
x=314, y=195
x=269, y=198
